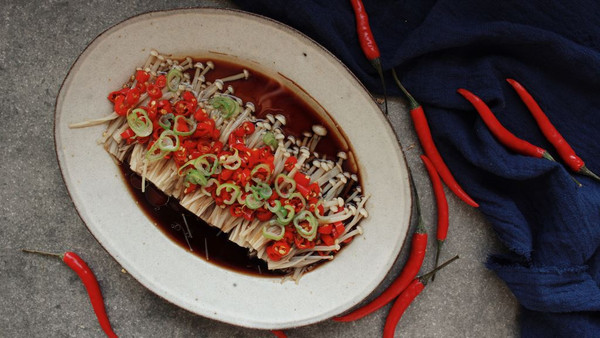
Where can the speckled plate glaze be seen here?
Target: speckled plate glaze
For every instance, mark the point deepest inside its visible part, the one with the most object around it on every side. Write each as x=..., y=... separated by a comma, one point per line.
x=111, y=214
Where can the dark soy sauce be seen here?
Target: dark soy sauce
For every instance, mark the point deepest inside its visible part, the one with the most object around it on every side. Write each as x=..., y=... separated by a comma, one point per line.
x=201, y=239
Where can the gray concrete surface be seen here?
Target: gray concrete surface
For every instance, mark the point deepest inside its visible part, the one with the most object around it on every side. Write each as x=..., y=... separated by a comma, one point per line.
x=41, y=297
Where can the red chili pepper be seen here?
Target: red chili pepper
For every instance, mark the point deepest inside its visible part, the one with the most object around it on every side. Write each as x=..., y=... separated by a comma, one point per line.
x=121, y=107
x=91, y=285
x=161, y=81
x=367, y=42
x=133, y=96
x=405, y=299
x=442, y=207
x=503, y=135
x=279, y=333
x=424, y=134
x=552, y=135
x=141, y=76
x=410, y=270
x=154, y=92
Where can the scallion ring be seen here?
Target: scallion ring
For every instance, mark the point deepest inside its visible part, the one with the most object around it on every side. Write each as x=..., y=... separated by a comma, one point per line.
x=230, y=188
x=270, y=140
x=165, y=121
x=227, y=106
x=285, y=214
x=168, y=141
x=191, y=126
x=233, y=162
x=195, y=177
x=139, y=122
x=260, y=167
x=268, y=232
x=279, y=187
x=299, y=220
x=205, y=166
x=174, y=77
x=252, y=202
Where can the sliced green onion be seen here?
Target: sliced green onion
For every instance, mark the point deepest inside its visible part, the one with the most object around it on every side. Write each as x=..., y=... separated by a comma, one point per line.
x=268, y=232
x=209, y=183
x=252, y=202
x=279, y=186
x=165, y=141
x=174, y=77
x=195, y=177
x=300, y=197
x=165, y=121
x=227, y=106
x=269, y=139
x=285, y=214
x=275, y=208
x=259, y=167
x=191, y=123
x=306, y=215
x=262, y=191
x=203, y=164
x=141, y=125
x=163, y=146
x=231, y=188
x=233, y=162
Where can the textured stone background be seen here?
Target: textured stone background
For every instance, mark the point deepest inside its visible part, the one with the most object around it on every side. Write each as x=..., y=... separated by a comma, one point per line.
x=41, y=297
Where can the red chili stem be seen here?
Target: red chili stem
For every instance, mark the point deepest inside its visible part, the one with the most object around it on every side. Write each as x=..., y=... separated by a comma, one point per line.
x=442, y=207
x=553, y=136
x=86, y=275
x=502, y=134
x=425, y=138
x=405, y=299
x=367, y=42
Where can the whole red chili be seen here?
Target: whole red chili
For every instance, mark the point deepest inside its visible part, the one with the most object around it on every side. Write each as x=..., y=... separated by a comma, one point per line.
x=552, y=135
x=409, y=271
x=405, y=299
x=503, y=135
x=442, y=207
x=424, y=134
x=91, y=285
x=367, y=42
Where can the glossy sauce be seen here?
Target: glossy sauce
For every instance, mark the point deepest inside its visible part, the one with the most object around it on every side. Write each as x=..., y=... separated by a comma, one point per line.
x=201, y=239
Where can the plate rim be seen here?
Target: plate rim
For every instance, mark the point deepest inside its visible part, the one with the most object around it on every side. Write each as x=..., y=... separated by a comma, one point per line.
x=200, y=9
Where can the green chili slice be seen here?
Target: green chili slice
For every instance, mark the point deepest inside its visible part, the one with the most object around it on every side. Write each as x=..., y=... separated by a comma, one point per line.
x=270, y=140
x=252, y=202
x=231, y=188
x=275, y=208
x=227, y=106
x=195, y=177
x=262, y=191
x=165, y=121
x=233, y=162
x=279, y=187
x=302, y=216
x=139, y=122
x=285, y=214
x=203, y=164
x=163, y=145
x=190, y=122
x=260, y=167
x=268, y=232
x=174, y=77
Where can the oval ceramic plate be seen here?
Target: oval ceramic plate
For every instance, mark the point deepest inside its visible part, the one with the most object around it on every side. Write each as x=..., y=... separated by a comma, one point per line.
x=109, y=211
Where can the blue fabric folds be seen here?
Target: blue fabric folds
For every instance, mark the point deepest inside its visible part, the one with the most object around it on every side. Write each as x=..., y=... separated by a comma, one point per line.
x=550, y=226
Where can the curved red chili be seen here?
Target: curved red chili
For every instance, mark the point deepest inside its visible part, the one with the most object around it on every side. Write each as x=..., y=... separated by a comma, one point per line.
x=367, y=42
x=442, y=207
x=552, y=135
x=405, y=299
x=86, y=275
x=409, y=271
x=400, y=305
x=502, y=134
x=424, y=134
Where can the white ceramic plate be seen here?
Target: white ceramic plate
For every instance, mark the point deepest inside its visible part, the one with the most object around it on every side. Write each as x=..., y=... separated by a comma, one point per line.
x=110, y=212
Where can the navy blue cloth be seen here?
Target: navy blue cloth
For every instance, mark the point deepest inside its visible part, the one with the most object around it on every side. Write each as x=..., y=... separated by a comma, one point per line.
x=550, y=227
